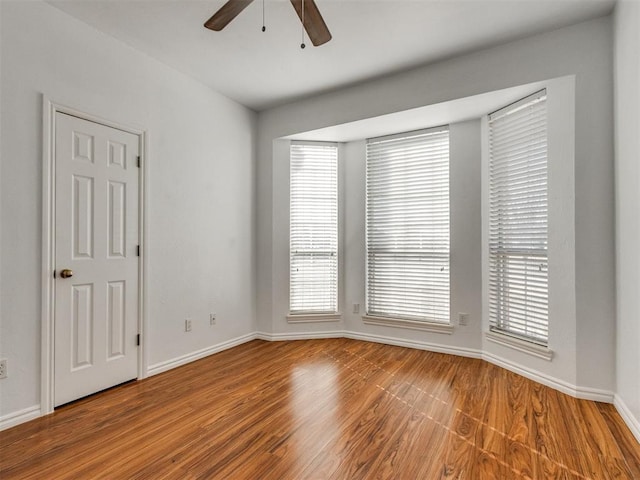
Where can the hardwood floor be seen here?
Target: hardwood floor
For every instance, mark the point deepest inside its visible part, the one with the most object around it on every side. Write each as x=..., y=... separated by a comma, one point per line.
x=326, y=409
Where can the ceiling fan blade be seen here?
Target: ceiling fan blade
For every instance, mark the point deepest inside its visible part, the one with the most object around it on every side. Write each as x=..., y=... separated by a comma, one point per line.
x=313, y=21
x=227, y=12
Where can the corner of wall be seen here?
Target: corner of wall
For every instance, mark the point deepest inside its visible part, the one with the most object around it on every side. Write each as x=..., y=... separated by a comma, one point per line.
x=627, y=204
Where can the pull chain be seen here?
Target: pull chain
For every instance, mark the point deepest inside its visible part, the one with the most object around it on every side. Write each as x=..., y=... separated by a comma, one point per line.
x=264, y=29
x=302, y=45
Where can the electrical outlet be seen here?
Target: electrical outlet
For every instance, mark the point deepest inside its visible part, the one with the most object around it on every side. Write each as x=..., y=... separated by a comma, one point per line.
x=187, y=325
x=212, y=319
x=3, y=368
x=463, y=318
x=356, y=308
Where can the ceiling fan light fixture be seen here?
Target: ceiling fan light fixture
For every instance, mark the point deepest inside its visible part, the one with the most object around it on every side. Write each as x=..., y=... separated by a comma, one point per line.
x=307, y=10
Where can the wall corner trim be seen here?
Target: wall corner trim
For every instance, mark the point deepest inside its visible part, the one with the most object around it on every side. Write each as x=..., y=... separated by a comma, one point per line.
x=21, y=416
x=632, y=422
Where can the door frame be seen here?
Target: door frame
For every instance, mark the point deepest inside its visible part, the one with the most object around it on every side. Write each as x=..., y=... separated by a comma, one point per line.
x=49, y=111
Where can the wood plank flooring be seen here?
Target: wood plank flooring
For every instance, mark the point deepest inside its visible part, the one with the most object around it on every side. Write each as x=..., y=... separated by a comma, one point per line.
x=326, y=409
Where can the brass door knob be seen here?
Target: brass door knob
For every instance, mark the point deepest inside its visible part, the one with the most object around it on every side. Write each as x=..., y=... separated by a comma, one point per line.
x=66, y=273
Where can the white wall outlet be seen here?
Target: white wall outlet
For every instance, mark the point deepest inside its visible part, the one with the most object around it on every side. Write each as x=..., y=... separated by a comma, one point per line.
x=3, y=368
x=187, y=325
x=463, y=318
x=356, y=308
x=212, y=319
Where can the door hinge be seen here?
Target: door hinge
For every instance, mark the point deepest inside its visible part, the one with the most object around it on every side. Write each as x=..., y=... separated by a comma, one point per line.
x=139, y=161
x=138, y=340
x=138, y=250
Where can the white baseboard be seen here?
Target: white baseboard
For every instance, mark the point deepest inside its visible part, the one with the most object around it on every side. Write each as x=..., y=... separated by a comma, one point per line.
x=400, y=342
x=198, y=354
x=21, y=416
x=595, y=394
x=279, y=337
x=585, y=393
x=632, y=422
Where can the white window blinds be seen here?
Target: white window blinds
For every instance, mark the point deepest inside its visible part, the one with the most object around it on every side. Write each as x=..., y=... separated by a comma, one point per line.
x=518, y=283
x=408, y=226
x=313, y=227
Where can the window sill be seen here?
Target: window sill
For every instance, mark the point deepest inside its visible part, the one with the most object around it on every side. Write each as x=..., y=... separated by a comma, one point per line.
x=520, y=345
x=313, y=317
x=411, y=324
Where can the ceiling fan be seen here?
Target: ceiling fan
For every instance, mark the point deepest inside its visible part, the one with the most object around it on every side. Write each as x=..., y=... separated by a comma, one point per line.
x=307, y=10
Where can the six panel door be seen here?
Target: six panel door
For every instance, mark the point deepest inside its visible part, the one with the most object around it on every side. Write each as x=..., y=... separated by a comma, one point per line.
x=96, y=243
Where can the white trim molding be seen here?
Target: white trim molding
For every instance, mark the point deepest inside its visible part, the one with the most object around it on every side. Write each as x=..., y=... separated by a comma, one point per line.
x=313, y=317
x=585, y=393
x=198, y=354
x=433, y=327
x=21, y=416
x=49, y=111
x=431, y=347
x=520, y=345
x=280, y=337
x=367, y=337
x=632, y=422
x=234, y=342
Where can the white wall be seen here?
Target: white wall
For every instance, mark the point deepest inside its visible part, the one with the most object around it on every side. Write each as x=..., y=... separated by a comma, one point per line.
x=201, y=159
x=1, y=349
x=627, y=142
x=583, y=51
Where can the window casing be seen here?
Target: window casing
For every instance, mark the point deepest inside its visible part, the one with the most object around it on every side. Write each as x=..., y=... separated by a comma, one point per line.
x=518, y=220
x=313, y=228
x=407, y=226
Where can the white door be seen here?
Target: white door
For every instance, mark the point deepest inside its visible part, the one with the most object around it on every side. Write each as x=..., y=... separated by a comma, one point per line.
x=96, y=257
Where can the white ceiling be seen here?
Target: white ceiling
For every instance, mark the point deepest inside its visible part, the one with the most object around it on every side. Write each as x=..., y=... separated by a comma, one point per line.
x=371, y=38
